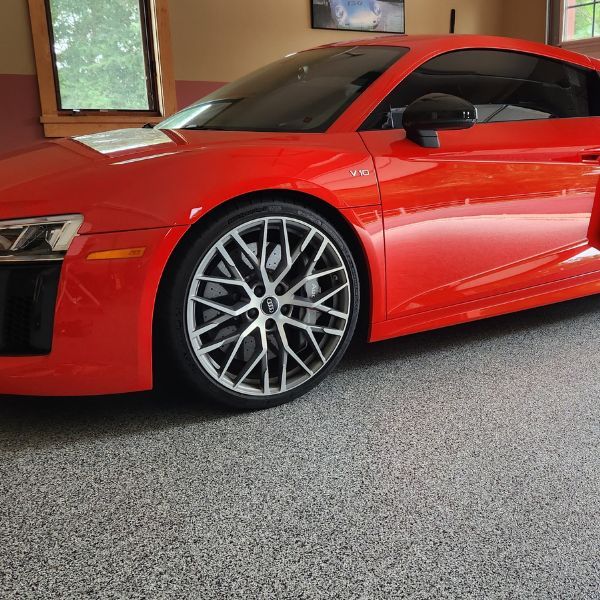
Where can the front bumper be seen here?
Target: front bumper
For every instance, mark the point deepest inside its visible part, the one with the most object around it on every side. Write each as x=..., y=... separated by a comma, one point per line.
x=101, y=340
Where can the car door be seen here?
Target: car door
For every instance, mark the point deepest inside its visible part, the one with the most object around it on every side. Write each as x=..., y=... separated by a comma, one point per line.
x=501, y=207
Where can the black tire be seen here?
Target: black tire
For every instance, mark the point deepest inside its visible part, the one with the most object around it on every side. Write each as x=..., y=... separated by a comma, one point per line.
x=173, y=350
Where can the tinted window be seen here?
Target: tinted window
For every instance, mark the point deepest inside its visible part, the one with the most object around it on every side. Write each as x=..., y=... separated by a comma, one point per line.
x=504, y=86
x=303, y=92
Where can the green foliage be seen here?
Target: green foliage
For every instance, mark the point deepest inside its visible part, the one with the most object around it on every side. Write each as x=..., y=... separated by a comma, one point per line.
x=582, y=21
x=99, y=54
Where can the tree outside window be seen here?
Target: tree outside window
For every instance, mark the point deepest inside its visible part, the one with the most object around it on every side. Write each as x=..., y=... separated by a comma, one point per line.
x=581, y=20
x=101, y=55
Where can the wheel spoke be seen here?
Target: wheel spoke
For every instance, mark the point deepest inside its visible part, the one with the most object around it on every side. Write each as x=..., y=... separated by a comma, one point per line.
x=289, y=350
x=296, y=255
x=266, y=376
x=330, y=331
x=242, y=336
x=245, y=249
x=318, y=303
x=308, y=330
x=320, y=300
x=313, y=339
x=309, y=327
x=247, y=368
x=332, y=293
x=233, y=312
x=216, y=345
x=224, y=281
x=287, y=251
x=206, y=327
x=296, y=286
x=263, y=253
x=282, y=362
x=302, y=303
x=233, y=269
x=317, y=257
x=283, y=380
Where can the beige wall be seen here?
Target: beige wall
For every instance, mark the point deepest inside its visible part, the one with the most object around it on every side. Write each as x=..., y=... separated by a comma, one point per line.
x=16, y=50
x=525, y=19
x=221, y=40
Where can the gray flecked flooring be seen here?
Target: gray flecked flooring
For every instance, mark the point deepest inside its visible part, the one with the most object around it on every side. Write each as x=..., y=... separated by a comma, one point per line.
x=463, y=463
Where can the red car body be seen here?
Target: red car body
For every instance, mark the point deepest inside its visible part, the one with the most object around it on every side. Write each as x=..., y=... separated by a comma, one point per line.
x=498, y=219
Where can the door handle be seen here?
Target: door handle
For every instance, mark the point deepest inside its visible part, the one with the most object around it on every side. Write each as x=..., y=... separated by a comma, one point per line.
x=590, y=157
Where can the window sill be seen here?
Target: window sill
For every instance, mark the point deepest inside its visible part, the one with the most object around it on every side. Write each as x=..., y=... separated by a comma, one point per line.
x=591, y=47
x=73, y=125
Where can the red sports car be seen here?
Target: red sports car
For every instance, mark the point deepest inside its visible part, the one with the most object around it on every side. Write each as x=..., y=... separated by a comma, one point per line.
x=398, y=184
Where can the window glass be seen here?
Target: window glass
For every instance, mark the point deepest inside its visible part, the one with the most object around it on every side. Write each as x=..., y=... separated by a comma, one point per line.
x=504, y=86
x=581, y=19
x=100, y=52
x=303, y=92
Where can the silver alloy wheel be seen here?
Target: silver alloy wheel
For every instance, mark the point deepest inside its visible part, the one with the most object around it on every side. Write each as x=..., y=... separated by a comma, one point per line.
x=268, y=306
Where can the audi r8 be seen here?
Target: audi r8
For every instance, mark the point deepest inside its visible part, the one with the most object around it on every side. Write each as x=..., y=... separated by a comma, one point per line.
x=379, y=188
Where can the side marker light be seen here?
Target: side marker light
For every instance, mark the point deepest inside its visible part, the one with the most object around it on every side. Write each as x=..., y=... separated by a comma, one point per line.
x=117, y=254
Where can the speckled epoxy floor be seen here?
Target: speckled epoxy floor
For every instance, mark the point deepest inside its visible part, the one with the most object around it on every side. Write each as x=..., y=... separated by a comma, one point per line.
x=462, y=463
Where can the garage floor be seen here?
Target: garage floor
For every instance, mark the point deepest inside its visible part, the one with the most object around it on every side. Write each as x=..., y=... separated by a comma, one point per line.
x=462, y=463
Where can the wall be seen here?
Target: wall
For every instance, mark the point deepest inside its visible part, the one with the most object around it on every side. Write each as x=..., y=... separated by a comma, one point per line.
x=525, y=19
x=217, y=41
x=237, y=41
x=220, y=41
x=19, y=101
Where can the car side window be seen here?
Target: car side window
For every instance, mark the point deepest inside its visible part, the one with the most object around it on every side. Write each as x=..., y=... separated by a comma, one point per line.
x=503, y=85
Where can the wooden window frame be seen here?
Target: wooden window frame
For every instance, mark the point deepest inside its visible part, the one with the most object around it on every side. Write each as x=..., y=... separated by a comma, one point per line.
x=590, y=46
x=58, y=123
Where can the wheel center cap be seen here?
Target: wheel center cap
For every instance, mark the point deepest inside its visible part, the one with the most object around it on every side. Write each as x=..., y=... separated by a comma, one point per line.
x=270, y=305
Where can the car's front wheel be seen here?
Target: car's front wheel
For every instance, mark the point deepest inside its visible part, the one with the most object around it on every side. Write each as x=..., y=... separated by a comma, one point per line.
x=261, y=305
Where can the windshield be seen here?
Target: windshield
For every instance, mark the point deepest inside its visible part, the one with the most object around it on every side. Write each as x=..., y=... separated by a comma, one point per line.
x=307, y=92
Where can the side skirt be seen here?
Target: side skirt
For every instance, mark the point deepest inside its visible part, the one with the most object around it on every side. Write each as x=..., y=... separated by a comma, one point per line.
x=542, y=295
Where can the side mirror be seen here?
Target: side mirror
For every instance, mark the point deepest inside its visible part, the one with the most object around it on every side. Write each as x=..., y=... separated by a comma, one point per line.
x=436, y=112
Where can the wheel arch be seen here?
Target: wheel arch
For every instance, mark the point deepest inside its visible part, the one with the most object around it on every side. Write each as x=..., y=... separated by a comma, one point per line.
x=335, y=216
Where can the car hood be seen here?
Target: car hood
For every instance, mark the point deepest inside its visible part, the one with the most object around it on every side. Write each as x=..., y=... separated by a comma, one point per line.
x=69, y=176
x=148, y=178
x=38, y=163
x=56, y=157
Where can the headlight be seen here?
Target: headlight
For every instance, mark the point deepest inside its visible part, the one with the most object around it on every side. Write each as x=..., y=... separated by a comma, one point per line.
x=377, y=8
x=44, y=238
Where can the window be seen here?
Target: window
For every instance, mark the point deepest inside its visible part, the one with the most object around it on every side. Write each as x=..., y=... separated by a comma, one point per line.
x=503, y=85
x=575, y=25
x=581, y=20
x=101, y=55
x=303, y=92
x=102, y=65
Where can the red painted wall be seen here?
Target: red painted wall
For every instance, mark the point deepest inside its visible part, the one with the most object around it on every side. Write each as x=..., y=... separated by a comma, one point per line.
x=19, y=112
x=20, y=107
x=190, y=91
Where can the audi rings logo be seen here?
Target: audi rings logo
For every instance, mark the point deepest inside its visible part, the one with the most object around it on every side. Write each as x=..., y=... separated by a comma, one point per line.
x=270, y=306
